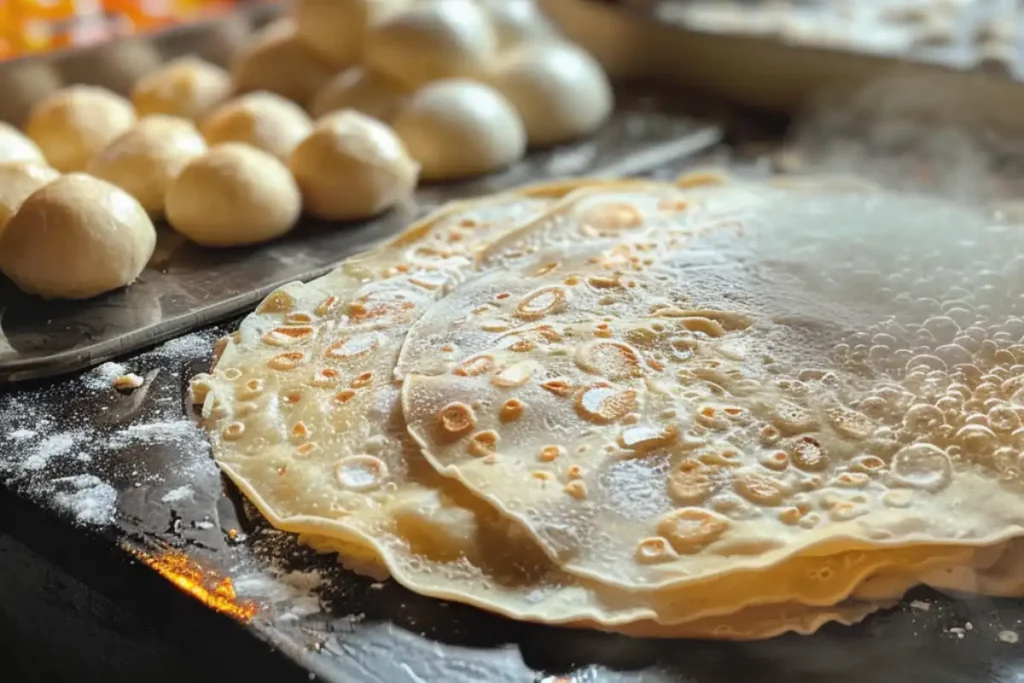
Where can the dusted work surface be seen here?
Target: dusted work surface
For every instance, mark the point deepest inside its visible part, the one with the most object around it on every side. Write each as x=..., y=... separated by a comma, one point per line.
x=185, y=286
x=98, y=485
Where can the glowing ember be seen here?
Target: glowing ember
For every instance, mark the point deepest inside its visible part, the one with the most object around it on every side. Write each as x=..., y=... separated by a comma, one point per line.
x=212, y=590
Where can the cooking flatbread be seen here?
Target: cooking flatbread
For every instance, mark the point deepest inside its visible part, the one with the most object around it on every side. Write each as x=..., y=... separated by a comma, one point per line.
x=297, y=403
x=745, y=378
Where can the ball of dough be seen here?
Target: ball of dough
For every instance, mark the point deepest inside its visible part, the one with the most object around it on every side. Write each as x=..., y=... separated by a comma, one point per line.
x=19, y=179
x=336, y=29
x=75, y=238
x=234, y=194
x=14, y=146
x=457, y=128
x=361, y=90
x=187, y=87
x=280, y=63
x=518, y=21
x=75, y=123
x=351, y=167
x=145, y=160
x=261, y=119
x=559, y=90
x=432, y=40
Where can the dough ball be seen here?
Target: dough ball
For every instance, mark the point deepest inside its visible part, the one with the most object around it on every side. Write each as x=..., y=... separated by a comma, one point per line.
x=115, y=65
x=75, y=123
x=336, y=29
x=261, y=119
x=559, y=90
x=14, y=146
x=457, y=128
x=518, y=21
x=362, y=90
x=187, y=87
x=19, y=179
x=280, y=63
x=433, y=40
x=23, y=84
x=234, y=194
x=75, y=238
x=351, y=167
x=145, y=160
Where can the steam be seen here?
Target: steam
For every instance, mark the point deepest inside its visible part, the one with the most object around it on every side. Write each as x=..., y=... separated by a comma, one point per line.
x=944, y=135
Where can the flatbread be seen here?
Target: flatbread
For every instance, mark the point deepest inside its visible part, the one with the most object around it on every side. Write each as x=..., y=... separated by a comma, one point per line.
x=713, y=395
x=304, y=417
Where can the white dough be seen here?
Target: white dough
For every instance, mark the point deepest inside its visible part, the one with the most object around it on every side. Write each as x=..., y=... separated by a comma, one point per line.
x=362, y=90
x=279, y=63
x=352, y=167
x=518, y=21
x=336, y=29
x=75, y=238
x=458, y=128
x=19, y=179
x=234, y=194
x=145, y=160
x=188, y=87
x=75, y=123
x=15, y=146
x=261, y=119
x=559, y=90
x=433, y=40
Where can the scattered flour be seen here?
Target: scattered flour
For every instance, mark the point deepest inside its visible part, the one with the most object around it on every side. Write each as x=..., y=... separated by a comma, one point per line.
x=103, y=376
x=91, y=500
x=50, y=448
x=1010, y=637
x=195, y=345
x=292, y=592
x=22, y=434
x=180, y=493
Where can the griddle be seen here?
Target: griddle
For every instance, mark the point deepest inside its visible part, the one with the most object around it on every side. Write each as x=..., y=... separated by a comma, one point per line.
x=80, y=601
x=98, y=490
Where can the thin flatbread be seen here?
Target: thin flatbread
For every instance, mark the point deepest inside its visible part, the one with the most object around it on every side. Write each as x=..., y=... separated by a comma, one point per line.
x=823, y=372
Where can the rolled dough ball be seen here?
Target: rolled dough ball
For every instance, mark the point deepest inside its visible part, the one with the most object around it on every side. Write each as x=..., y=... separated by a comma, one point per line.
x=19, y=179
x=362, y=90
x=234, y=194
x=261, y=119
x=351, y=167
x=518, y=21
x=559, y=90
x=14, y=146
x=75, y=238
x=145, y=160
x=336, y=29
x=280, y=63
x=75, y=123
x=458, y=128
x=188, y=87
x=432, y=40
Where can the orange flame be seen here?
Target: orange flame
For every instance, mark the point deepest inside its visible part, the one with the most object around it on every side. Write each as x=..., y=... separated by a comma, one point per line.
x=212, y=590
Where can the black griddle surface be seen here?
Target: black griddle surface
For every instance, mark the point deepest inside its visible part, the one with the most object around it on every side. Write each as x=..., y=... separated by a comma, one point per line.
x=76, y=603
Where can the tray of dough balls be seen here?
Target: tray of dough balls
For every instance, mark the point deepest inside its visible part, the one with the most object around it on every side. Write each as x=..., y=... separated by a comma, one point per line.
x=126, y=220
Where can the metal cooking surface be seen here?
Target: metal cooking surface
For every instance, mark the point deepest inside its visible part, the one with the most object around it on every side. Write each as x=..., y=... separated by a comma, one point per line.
x=137, y=469
x=185, y=286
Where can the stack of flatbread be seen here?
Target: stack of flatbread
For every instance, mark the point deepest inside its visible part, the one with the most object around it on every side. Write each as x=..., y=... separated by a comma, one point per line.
x=695, y=409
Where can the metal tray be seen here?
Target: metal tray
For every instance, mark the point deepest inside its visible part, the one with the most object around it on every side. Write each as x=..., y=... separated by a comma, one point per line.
x=185, y=286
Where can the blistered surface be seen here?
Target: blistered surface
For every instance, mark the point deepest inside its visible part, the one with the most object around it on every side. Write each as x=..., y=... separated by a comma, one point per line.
x=822, y=369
